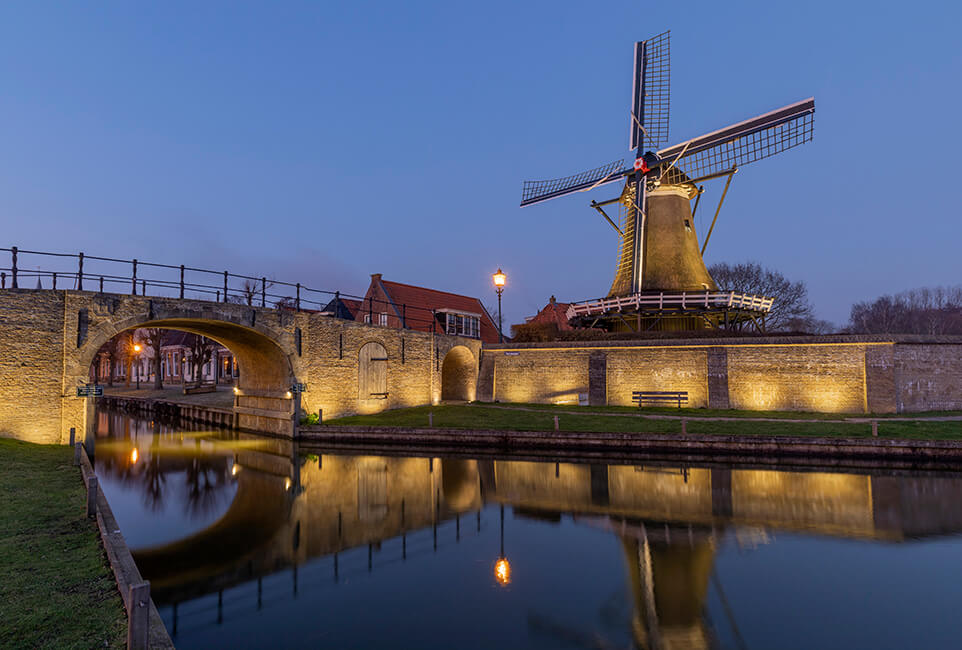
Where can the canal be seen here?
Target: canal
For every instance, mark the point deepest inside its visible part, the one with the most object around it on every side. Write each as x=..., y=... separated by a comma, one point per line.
x=256, y=542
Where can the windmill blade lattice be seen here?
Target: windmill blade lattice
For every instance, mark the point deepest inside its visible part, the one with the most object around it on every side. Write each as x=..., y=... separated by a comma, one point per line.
x=740, y=144
x=537, y=191
x=651, y=92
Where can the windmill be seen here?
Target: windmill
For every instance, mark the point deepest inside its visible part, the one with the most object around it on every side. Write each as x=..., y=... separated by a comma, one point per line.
x=660, y=279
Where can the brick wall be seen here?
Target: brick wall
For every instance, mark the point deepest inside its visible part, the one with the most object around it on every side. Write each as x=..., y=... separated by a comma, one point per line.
x=843, y=374
x=48, y=340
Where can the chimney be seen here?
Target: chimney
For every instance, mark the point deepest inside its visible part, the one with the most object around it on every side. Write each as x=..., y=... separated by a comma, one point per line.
x=552, y=300
x=376, y=277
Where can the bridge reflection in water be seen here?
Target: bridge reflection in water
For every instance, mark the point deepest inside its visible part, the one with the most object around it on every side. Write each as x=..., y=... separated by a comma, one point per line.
x=292, y=505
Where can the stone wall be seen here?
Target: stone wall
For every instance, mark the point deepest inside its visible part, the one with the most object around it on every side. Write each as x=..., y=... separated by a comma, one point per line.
x=838, y=374
x=48, y=339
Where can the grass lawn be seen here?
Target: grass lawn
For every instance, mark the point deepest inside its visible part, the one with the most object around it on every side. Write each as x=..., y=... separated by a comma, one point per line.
x=592, y=419
x=56, y=587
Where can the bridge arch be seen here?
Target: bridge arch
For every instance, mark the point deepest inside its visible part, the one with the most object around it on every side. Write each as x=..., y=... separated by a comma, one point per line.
x=459, y=375
x=266, y=367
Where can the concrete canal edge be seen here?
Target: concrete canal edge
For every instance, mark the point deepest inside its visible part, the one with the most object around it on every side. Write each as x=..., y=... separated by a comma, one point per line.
x=129, y=581
x=686, y=444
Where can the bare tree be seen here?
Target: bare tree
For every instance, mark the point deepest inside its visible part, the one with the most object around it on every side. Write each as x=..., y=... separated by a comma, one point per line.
x=791, y=309
x=917, y=311
x=112, y=352
x=249, y=292
x=201, y=349
x=154, y=338
x=128, y=351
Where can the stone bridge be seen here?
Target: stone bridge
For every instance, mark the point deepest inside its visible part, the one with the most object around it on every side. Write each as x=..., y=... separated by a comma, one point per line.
x=49, y=339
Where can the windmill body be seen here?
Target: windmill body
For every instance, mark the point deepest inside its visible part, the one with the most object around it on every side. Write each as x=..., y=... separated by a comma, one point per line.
x=661, y=281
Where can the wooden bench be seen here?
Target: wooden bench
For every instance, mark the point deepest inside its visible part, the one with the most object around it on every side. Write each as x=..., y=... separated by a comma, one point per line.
x=660, y=397
x=200, y=388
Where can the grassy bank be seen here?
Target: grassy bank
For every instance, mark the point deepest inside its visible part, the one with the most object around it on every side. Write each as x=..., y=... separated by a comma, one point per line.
x=627, y=421
x=56, y=587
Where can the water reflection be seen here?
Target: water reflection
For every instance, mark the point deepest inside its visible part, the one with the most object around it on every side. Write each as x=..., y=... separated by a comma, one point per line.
x=267, y=507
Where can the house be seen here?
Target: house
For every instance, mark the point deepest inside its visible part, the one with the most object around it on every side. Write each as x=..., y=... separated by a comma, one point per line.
x=175, y=362
x=394, y=304
x=553, y=313
x=344, y=308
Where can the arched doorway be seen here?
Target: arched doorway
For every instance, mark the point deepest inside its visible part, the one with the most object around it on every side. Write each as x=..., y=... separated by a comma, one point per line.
x=459, y=375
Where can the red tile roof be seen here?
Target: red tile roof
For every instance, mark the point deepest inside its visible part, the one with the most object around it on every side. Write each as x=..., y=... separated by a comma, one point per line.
x=554, y=312
x=421, y=300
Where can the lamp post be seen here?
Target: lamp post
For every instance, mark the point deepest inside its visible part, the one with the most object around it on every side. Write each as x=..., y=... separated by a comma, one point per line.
x=499, y=280
x=137, y=349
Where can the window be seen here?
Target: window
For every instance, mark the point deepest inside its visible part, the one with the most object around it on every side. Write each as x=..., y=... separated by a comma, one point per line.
x=462, y=325
x=367, y=318
x=382, y=319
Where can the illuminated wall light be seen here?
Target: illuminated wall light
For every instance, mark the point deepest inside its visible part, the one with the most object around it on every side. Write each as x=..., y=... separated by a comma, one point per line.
x=287, y=484
x=234, y=468
x=134, y=456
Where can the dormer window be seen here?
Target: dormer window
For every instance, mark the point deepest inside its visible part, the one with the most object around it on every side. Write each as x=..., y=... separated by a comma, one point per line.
x=462, y=325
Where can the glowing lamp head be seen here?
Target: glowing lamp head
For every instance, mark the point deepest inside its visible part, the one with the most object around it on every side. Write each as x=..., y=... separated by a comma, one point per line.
x=499, y=278
x=137, y=347
x=134, y=456
x=502, y=571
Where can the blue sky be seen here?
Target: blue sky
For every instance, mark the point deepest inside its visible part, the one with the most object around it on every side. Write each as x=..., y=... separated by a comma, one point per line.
x=321, y=142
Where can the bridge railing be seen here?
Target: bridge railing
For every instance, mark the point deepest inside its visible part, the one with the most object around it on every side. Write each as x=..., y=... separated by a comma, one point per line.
x=29, y=269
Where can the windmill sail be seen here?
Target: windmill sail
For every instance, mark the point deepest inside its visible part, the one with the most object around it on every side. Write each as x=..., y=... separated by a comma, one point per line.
x=537, y=191
x=650, y=90
x=739, y=144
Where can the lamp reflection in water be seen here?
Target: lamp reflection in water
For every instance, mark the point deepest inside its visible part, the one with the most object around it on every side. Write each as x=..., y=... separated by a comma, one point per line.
x=502, y=568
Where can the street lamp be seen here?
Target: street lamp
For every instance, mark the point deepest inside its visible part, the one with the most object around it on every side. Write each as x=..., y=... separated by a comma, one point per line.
x=137, y=349
x=499, y=280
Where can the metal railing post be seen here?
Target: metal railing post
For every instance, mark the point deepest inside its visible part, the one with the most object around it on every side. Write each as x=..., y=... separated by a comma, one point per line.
x=54, y=279
x=263, y=292
x=3, y=280
x=133, y=281
x=404, y=316
x=297, y=301
x=143, y=287
x=181, y=281
x=80, y=272
x=225, y=286
x=13, y=282
x=101, y=284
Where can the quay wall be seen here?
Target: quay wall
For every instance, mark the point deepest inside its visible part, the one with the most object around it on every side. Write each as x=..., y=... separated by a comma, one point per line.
x=836, y=374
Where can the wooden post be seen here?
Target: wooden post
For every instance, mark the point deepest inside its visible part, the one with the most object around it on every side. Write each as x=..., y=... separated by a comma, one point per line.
x=684, y=426
x=875, y=428
x=556, y=427
x=430, y=418
x=77, y=450
x=138, y=616
x=92, y=496
x=73, y=436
